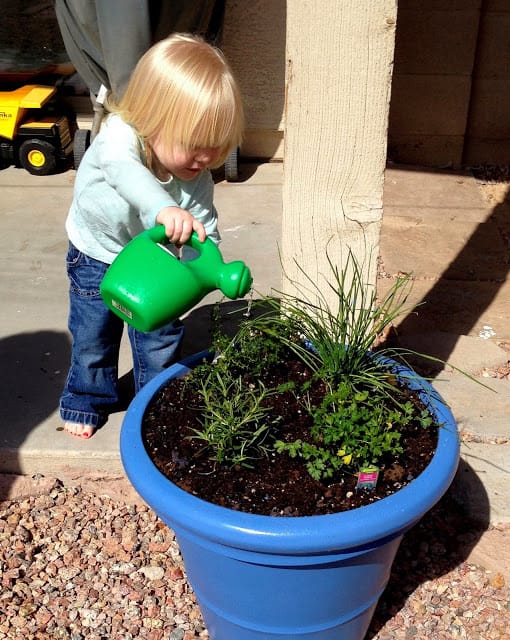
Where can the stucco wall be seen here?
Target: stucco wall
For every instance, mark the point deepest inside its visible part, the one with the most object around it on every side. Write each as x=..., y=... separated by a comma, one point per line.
x=254, y=42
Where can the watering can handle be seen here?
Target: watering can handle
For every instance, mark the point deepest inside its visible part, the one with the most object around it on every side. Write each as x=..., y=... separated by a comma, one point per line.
x=157, y=235
x=234, y=279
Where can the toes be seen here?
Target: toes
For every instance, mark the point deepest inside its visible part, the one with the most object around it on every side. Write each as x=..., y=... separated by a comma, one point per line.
x=86, y=432
x=79, y=430
x=73, y=428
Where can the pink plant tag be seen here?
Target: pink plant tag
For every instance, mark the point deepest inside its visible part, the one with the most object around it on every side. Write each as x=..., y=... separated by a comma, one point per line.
x=367, y=478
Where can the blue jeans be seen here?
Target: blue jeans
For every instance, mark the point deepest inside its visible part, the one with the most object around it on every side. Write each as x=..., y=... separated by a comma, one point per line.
x=90, y=393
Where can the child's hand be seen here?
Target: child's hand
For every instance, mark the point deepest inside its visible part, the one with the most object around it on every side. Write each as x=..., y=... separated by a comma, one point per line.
x=179, y=225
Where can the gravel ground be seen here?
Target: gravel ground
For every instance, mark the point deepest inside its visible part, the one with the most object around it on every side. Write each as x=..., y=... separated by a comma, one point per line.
x=78, y=564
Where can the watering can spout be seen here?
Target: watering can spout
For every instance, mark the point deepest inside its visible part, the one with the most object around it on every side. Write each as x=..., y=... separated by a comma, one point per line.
x=234, y=280
x=148, y=287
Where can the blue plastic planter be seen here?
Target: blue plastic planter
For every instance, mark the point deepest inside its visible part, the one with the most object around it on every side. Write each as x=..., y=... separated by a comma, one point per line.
x=270, y=578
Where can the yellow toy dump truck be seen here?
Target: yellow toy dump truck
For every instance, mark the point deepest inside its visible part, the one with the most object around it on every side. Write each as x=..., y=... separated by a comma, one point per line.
x=37, y=140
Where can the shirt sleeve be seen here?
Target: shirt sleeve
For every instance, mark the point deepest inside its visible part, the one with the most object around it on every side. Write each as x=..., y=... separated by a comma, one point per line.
x=122, y=163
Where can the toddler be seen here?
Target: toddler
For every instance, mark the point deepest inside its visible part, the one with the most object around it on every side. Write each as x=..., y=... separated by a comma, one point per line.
x=180, y=115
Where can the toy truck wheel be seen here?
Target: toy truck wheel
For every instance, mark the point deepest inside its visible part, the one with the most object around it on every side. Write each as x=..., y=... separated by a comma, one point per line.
x=81, y=143
x=37, y=157
x=232, y=166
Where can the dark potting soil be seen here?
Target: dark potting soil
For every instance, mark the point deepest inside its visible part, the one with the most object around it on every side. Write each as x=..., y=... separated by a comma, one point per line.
x=278, y=485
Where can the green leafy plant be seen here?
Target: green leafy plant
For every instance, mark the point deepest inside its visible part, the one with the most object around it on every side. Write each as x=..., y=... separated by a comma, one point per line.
x=350, y=429
x=356, y=401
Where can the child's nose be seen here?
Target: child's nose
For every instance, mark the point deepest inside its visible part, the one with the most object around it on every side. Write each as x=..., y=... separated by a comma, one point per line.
x=203, y=155
x=207, y=156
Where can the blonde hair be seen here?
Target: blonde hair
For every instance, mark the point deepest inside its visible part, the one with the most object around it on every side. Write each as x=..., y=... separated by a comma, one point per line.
x=183, y=91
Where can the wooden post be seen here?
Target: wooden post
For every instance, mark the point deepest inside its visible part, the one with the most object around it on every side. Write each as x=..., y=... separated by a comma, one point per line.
x=339, y=64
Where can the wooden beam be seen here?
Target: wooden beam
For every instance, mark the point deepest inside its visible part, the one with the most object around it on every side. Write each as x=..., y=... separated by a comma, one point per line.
x=339, y=64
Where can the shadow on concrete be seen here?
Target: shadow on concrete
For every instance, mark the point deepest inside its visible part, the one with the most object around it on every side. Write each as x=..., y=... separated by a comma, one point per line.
x=466, y=288
x=31, y=380
x=441, y=541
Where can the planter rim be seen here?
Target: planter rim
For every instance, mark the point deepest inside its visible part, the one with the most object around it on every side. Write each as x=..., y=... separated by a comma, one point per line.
x=347, y=530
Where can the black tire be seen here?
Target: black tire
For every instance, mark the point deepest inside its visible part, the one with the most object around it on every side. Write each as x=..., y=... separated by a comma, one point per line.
x=232, y=166
x=81, y=143
x=38, y=157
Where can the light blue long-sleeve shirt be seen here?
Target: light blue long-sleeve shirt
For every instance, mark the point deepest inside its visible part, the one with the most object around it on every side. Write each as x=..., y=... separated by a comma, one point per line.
x=116, y=196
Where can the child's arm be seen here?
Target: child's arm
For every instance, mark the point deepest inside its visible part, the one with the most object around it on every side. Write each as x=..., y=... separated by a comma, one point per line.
x=122, y=166
x=179, y=225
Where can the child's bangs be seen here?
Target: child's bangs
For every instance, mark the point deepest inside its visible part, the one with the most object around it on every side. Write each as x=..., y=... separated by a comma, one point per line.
x=214, y=129
x=208, y=124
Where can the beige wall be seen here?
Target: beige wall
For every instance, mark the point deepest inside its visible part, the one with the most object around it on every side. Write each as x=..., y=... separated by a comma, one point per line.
x=434, y=56
x=254, y=42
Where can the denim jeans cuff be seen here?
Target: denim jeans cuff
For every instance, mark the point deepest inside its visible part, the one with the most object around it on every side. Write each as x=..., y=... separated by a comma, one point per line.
x=82, y=417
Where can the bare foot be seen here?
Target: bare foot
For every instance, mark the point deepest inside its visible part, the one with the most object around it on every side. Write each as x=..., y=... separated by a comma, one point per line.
x=79, y=430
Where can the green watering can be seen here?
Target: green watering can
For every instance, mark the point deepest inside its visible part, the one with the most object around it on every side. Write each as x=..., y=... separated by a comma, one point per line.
x=148, y=287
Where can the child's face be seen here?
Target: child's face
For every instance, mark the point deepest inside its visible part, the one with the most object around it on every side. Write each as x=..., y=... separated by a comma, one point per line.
x=184, y=164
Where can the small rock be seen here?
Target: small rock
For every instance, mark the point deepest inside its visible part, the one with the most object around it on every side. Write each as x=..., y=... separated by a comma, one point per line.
x=124, y=568
x=498, y=582
x=27, y=609
x=153, y=573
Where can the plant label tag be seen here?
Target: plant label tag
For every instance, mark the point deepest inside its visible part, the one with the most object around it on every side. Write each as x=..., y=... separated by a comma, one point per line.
x=367, y=478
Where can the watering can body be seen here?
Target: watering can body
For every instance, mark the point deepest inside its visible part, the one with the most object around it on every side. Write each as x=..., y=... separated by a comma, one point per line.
x=148, y=286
